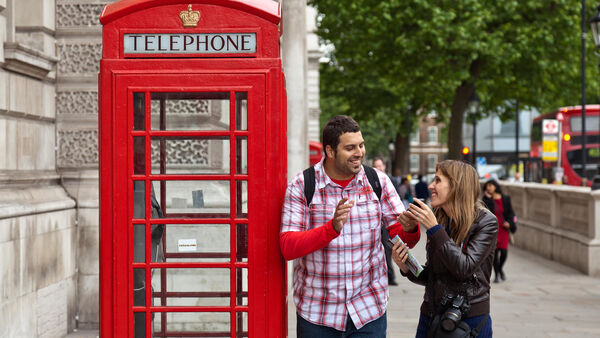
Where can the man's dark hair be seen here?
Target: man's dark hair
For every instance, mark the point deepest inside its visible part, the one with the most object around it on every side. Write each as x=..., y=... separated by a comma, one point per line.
x=335, y=127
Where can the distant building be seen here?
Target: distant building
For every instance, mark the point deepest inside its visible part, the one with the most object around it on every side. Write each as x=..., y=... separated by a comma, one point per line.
x=495, y=143
x=426, y=146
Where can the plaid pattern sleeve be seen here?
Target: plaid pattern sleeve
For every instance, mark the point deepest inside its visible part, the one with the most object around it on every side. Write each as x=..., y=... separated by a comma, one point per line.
x=348, y=276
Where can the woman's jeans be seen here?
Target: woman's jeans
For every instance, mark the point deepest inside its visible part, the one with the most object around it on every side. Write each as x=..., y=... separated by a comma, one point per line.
x=374, y=329
x=485, y=332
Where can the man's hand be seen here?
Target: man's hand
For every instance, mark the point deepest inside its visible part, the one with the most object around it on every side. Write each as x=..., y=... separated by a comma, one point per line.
x=422, y=214
x=342, y=211
x=409, y=224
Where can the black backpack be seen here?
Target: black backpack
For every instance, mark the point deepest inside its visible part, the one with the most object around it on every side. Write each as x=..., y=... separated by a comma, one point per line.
x=309, y=182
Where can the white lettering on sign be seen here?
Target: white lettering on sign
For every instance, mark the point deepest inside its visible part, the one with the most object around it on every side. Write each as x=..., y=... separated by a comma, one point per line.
x=187, y=245
x=549, y=126
x=219, y=43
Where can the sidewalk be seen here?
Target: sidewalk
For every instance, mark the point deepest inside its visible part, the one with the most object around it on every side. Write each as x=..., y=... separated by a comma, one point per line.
x=540, y=298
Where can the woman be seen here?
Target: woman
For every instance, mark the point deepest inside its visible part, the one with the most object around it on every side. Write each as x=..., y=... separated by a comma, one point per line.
x=461, y=238
x=499, y=204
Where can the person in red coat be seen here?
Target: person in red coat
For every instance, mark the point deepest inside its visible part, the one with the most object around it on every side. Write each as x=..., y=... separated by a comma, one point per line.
x=499, y=204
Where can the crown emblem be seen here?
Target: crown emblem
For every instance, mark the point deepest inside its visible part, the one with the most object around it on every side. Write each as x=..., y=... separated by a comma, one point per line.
x=189, y=18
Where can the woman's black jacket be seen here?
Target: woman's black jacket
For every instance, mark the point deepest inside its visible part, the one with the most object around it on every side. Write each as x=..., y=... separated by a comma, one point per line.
x=509, y=213
x=459, y=270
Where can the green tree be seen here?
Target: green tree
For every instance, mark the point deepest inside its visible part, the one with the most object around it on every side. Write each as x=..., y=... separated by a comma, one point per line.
x=393, y=61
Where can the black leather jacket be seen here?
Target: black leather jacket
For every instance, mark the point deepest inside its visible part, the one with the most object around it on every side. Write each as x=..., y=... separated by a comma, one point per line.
x=459, y=270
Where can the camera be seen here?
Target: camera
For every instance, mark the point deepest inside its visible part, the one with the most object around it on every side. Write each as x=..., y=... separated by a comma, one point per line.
x=454, y=307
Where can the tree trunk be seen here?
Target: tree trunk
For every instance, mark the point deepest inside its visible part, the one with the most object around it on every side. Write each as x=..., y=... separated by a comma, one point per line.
x=457, y=112
x=400, y=164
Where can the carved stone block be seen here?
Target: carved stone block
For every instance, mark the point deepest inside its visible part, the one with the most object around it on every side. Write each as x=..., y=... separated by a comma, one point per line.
x=79, y=59
x=79, y=102
x=77, y=148
x=74, y=15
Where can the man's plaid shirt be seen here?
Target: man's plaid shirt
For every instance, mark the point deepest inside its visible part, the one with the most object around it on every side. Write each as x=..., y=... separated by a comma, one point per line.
x=348, y=276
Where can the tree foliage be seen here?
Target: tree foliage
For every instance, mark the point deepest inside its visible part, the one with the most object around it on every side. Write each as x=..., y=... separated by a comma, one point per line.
x=397, y=59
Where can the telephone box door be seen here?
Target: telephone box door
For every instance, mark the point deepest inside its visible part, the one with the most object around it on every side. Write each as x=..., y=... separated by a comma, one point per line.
x=187, y=205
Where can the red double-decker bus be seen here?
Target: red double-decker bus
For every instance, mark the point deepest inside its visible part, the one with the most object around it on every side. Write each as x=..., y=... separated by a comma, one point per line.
x=571, y=143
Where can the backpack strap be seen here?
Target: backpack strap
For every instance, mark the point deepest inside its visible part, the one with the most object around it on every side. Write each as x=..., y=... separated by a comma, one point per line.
x=309, y=184
x=373, y=180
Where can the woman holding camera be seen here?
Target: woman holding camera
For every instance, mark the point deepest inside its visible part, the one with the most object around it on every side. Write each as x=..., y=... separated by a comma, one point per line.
x=461, y=239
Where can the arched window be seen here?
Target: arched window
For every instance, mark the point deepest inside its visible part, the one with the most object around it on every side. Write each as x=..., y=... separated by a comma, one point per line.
x=431, y=162
x=432, y=134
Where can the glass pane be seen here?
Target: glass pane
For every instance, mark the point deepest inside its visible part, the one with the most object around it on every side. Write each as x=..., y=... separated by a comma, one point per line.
x=139, y=149
x=139, y=287
x=242, y=155
x=190, y=155
x=242, y=242
x=139, y=199
x=193, y=324
x=139, y=320
x=191, y=287
x=193, y=198
x=139, y=241
x=241, y=111
x=242, y=324
x=591, y=123
x=190, y=111
x=139, y=111
x=241, y=282
x=197, y=243
x=242, y=199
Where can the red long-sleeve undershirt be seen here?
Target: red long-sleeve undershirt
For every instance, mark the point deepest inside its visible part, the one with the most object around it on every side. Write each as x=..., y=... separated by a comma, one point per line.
x=295, y=244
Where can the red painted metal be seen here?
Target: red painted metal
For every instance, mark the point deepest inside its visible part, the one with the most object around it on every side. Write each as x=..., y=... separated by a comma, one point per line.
x=253, y=234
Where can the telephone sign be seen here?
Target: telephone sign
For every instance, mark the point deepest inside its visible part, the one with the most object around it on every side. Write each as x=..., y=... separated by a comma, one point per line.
x=234, y=43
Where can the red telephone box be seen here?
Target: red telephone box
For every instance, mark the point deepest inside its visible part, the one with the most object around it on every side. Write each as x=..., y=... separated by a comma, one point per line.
x=192, y=169
x=315, y=152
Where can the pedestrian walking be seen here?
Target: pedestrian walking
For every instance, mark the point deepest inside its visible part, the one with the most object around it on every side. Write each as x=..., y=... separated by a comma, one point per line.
x=340, y=278
x=379, y=164
x=421, y=190
x=461, y=238
x=405, y=192
x=499, y=204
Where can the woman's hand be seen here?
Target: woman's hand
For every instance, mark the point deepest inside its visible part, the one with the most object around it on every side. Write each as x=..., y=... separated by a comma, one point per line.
x=506, y=225
x=400, y=255
x=422, y=214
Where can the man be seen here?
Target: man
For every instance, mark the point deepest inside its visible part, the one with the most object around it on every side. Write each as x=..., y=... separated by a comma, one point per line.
x=421, y=190
x=379, y=164
x=340, y=284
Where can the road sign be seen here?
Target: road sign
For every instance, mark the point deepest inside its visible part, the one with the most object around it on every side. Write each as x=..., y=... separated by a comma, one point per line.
x=550, y=148
x=550, y=127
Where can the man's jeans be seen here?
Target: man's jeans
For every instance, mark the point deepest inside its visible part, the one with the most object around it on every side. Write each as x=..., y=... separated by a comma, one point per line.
x=374, y=329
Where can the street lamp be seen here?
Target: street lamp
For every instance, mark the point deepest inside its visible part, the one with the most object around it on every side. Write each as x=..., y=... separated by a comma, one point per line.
x=595, y=24
x=473, y=107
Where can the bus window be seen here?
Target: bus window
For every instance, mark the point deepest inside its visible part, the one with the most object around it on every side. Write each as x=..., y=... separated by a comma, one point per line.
x=591, y=123
x=536, y=131
x=592, y=160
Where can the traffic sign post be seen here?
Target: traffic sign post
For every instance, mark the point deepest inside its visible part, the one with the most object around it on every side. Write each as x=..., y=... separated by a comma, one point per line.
x=550, y=141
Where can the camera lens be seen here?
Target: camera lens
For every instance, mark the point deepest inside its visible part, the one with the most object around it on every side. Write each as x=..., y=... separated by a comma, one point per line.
x=450, y=318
